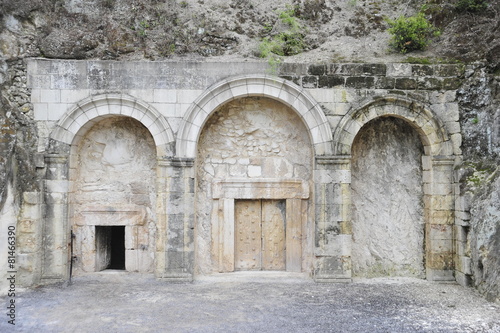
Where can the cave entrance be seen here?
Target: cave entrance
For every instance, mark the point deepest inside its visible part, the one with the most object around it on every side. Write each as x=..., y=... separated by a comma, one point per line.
x=110, y=247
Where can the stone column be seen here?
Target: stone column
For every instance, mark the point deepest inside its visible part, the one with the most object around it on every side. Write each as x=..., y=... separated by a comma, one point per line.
x=55, y=260
x=333, y=231
x=175, y=245
x=439, y=203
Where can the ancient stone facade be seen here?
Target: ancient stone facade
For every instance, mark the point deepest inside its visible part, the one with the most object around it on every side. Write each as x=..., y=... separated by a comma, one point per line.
x=186, y=161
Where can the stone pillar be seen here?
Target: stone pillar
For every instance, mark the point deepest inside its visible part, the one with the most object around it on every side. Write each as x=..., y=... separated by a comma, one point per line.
x=55, y=257
x=463, y=268
x=333, y=231
x=439, y=203
x=175, y=244
x=29, y=239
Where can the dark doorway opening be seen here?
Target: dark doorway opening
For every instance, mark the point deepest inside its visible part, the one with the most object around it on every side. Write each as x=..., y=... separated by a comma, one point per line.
x=110, y=247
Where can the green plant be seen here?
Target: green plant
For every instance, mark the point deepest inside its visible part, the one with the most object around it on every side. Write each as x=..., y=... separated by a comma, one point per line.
x=288, y=42
x=184, y=4
x=411, y=33
x=471, y=5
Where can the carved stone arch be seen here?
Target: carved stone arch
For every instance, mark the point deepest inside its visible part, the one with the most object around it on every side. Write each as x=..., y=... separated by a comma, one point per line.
x=90, y=110
x=437, y=181
x=247, y=86
x=430, y=128
x=61, y=169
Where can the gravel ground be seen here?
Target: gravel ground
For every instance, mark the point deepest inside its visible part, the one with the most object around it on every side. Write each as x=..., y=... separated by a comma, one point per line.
x=249, y=302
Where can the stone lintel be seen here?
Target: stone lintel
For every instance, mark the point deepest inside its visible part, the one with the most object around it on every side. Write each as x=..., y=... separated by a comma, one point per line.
x=261, y=188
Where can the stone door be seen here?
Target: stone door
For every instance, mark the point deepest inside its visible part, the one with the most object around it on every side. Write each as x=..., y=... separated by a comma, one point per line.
x=260, y=235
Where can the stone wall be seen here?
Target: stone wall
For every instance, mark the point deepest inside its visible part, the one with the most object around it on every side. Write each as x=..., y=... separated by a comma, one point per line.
x=178, y=101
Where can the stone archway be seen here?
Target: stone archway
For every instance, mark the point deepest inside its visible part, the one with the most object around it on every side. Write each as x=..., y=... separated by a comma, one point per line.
x=113, y=199
x=387, y=200
x=62, y=171
x=253, y=171
x=254, y=86
x=437, y=178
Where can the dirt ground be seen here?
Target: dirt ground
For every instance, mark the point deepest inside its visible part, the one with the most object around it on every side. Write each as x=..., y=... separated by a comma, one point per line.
x=113, y=301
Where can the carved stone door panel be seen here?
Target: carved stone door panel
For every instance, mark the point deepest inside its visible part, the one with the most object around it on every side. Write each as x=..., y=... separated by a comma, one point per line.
x=260, y=235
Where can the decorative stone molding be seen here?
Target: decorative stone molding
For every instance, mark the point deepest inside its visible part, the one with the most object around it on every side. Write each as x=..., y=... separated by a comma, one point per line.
x=431, y=129
x=294, y=191
x=88, y=111
x=254, y=85
x=262, y=188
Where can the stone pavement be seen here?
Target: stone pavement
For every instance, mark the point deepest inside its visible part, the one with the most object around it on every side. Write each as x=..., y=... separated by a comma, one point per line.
x=114, y=301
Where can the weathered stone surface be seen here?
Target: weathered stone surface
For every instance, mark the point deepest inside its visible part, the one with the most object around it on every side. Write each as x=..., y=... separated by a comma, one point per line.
x=114, y=186
x=264, y=139
x=388, y=224
x=68, y=44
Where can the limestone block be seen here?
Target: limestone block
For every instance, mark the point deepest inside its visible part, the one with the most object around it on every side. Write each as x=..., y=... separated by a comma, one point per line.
x=41, y=111
x=74, y=96
x=55, y=198
x=276, y=168
x=461, y=248
x=254, y=171
x=461, y=233
x=426, y=163
x=463, y=202
x=444, y=216
x=322, y=95
x=335, y=245
x=238, y=170
x=132, y=261
x=344, y=95
x=332, y=268
x=439, y=232
x=440, y=261
x=463, y=279
x=441, y=97
x=27, y=226
x=462, y=218
x=464, y=265
x=453, y=127
x=456, y=140
x=28, y=242
x=131, y=237
x=439, y=275
x=143, y=239
x=442, y=202
x=399, y=69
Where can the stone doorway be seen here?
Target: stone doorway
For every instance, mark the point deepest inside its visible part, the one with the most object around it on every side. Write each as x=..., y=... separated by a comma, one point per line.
x=110, y=247
x=114, y=196
x=260, y=241
x=252, y=149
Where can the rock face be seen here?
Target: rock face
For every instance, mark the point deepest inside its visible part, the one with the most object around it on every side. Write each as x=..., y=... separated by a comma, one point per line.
x=478, y=205
x=388, y=222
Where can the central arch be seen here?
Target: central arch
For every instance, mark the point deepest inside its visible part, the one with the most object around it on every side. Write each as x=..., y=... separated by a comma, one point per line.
x=258, y=85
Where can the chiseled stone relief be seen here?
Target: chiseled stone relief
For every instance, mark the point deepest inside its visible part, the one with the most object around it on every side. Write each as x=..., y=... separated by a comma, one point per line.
x=387, y=198
x=249, y=138
x=114, y=185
